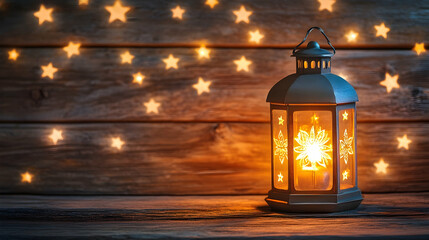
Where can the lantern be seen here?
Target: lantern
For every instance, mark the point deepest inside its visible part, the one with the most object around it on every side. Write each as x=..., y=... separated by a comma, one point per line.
x=313, y=136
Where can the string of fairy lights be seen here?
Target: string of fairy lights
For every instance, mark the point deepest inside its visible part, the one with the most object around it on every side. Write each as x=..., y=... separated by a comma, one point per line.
x=118, y=12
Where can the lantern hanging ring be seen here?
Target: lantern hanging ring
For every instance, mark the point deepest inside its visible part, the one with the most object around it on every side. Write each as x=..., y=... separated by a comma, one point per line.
x=306, y=35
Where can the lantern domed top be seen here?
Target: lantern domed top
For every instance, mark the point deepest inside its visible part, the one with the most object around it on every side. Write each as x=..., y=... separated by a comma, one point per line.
x=313, y=50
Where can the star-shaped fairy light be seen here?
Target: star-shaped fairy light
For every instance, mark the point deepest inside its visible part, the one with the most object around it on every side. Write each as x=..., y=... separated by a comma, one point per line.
x=242, y=15
x=211, y=3
x=127, y=57
x=390, y=82
x=382, y=30
x=326, y=4
x=72, y=49
x=49, y=71
x=403, y=142
x=171, y=62
x=255, y=36
x=419, y=48
x=381, y=166
x=345, y=115
x=56, y=135
x=346, y=174
x=117, y=143
x=203, y=52
x=202, y=86
x=83, y=2
x=280, y=177
x=281, y=147
x=117, y=12
x=152, y=106
x=26, y=177
x=242, y=64
x=13, y=55
x=138, y=78
x=281, y=120
x=346, y=147
x=178, y=12
x=352, y=36
x=44, y=14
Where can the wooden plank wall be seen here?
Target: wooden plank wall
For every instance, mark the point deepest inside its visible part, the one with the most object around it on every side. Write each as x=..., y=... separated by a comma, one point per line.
x=214, y=143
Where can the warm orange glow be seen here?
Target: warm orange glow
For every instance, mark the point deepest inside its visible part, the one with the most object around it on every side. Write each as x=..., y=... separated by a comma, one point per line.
x=242, y=15
x=255, y=36
x=26, y=177
x=345, y=115
x=203, y=52
x=83, y=2
x=403, y=142
x=117, y=143
x=127, y=57
x=326, y=4
x=312, y=149
x=346, y=129
x=314, y=119
x=280, y=177
x=72, y=49
x=138, y=78
x=152, y=106
x=178, y=12
x=281, y=120
x=202, y=86
x=171, y=62
x=346, y=174
x=382, y=30
x=13, y=55
x=117, y=12
x=211, y=3
x=56, y=135
x=44, y=14
x=49, y=71
x=381, y=166
x=242, y=64
x=346, y=147
x=390, y=82
x=419, y=48
x=352, y=36
x=280, y=147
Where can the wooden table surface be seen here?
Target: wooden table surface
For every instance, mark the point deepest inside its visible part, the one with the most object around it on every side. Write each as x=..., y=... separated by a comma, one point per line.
x=389, y=216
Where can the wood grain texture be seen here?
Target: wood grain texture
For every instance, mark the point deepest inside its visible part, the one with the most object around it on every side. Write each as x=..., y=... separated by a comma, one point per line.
x=282, y=22
x=96, y=87
x=186, y=158
x=380, y=216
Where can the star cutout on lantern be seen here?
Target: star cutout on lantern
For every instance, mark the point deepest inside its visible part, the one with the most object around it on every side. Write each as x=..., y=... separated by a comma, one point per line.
x=127, y=57
x=281, y=120
x=346, y=174
x=138, y=78
x=255, y=36
x=242, y=15
x=117, y=143
x=345, y=115
x=178, y=12
x=314, y=119
x=351, y=36
x=381, y=166
x=72, y=48
x=382, y=30
x=326, y=4
x=403, y=142
x=242, y=64
x=49, y=71
x=26, y=177
x=44, y=14
x=171, y=62
x=13, y=54
x=56, y=135
x=419, y=48
x=280, y=177
x=152, y=106
x=390, y=82
x=202, y=86
x=83, y=2
x=203, y=52
x=117, y=12
x=211, y=3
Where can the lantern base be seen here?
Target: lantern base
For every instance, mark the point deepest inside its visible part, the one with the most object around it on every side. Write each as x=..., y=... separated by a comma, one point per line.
x=314, y=203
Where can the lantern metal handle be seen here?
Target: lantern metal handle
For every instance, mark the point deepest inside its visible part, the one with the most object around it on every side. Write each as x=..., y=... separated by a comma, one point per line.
x=306, y=35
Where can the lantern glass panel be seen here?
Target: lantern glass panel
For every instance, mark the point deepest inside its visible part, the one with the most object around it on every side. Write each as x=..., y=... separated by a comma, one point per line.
x=280, y=146
x=347, y=148
x=312, y=150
